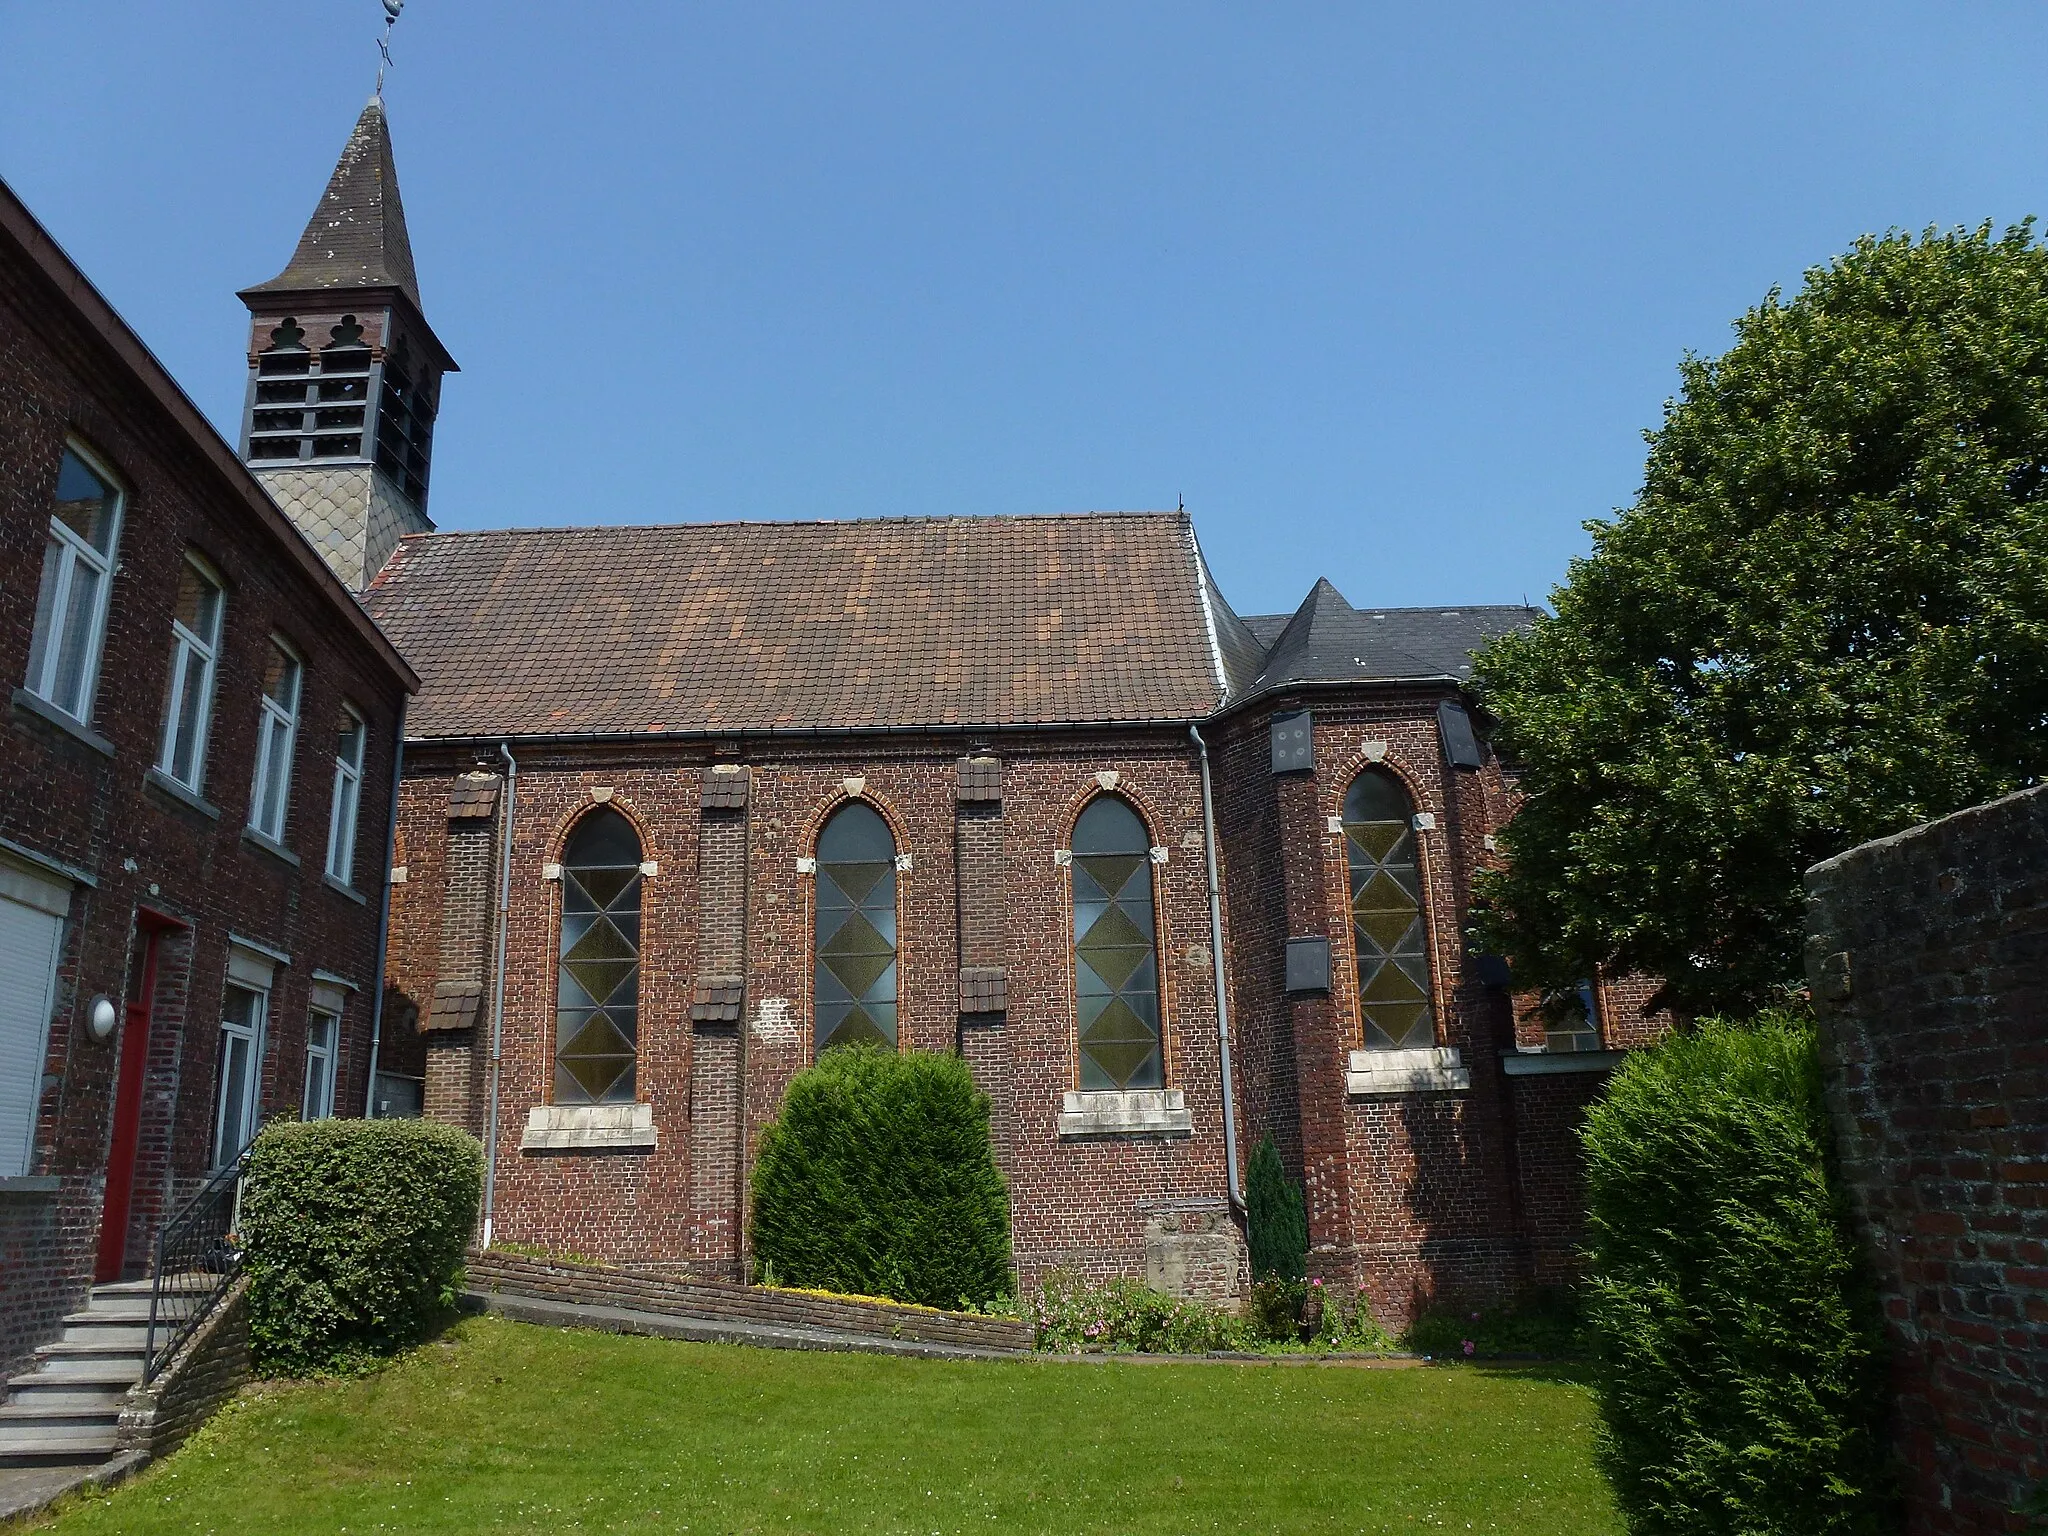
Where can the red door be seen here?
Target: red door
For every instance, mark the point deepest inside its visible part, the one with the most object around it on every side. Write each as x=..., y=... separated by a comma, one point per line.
x=127, y=1112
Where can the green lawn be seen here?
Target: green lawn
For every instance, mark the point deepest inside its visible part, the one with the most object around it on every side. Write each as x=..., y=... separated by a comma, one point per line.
x=503, y=1427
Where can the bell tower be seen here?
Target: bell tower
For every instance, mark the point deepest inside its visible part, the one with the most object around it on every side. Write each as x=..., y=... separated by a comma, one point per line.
x=344, y=371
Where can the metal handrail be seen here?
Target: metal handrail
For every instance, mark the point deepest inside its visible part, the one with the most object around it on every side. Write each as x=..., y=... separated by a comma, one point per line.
x=197, y=1257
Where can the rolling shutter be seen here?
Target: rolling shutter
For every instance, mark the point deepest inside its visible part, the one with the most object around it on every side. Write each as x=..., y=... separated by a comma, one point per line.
x=29, y=936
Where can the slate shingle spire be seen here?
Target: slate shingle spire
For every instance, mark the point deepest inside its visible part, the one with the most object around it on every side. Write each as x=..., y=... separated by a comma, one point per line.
x=356, y=237
x=344, y=371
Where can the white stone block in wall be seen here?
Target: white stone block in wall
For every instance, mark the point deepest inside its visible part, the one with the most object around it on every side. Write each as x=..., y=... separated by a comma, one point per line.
x=1134, y=1112
x=1431, y=1069
x=588, y=1128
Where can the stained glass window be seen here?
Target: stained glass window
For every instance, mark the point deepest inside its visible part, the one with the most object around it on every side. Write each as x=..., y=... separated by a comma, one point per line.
x=1116, y=959
x=597, y=1001
x=855, y=1001
x=1386, y=914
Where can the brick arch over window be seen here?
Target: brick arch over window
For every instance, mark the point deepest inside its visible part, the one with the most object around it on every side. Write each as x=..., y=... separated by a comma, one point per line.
x=853, y=990
x=1116, y=949
x=1389, y=928
x=597, y=990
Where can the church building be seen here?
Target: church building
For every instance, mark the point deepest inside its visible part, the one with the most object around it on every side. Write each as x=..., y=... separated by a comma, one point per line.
x=683, y=805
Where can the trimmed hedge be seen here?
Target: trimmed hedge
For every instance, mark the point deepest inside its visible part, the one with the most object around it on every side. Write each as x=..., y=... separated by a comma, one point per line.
x=1276, y=1226
x=1738, y=1367
x=879, y=1179
x=353, y=1232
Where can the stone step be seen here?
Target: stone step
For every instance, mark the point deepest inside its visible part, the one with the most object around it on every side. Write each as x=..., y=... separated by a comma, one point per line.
x=88, y=1328
x=34, y=1451
x=74, y=1389
x=16, y=1419
x=129, y=1304
x=67, y=1358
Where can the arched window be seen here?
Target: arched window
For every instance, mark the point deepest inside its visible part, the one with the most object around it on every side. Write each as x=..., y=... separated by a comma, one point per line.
x=1116, y=956
x=597, y=1001
x=855, y=994
x=1386, y=914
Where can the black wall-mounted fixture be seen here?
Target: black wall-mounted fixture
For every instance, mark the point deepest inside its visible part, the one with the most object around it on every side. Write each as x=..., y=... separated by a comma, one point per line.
x=1461, y=742
x=1293, y=742
x=1308, y=965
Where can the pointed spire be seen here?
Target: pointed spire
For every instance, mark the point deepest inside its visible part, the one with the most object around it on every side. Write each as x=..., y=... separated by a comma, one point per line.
x=356, y=238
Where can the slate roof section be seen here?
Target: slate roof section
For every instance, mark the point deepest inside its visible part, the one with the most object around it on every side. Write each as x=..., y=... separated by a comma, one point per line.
x=1326, y=640
x=356, y=237
x=713, y=627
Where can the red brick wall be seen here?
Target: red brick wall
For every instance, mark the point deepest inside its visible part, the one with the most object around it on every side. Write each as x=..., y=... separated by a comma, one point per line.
x=1550, y=1172
x=1409, y=1195
x=1075, y=1203
x=92, y=810
x=1928, y=957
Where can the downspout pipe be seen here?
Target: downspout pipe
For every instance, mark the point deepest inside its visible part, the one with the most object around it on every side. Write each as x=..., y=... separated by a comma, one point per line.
x=384, y=913
x=1222, y=990
x=498, y=989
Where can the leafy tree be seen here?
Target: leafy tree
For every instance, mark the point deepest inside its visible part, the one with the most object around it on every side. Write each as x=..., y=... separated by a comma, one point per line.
x=1825, y=618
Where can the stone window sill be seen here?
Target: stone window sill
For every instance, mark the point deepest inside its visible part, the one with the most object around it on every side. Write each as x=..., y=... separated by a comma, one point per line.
x=589, y=1128
x=1549, y=1063
x=269, y=845
x=164, y=784
x=29, y=1184
x=43, y=709
x=1139, y=1112
x=1432, y=1069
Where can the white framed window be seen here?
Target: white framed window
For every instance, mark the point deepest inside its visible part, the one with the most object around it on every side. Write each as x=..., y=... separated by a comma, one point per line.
x=195, y=655
x=350, y=735
x=239, y=1091
x=323, y=1036
x=78, y=574
x=276, y=732
x=32, y=913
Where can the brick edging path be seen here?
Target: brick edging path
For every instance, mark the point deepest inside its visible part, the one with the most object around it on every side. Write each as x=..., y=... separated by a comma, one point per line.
x=493, y=1273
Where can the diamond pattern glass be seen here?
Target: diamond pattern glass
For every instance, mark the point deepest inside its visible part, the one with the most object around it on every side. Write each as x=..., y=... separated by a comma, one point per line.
x=1116, y=961
x=597, y=995
x=1386, y=915
x=854, y=998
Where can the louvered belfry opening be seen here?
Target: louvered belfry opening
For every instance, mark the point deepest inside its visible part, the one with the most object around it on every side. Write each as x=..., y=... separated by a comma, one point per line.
x=1386, y=914
x=855, y=991
x=597, y=1000
x=1116, y=959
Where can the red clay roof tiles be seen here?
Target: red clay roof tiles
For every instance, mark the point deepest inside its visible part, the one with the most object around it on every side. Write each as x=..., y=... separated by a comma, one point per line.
x=751, y=626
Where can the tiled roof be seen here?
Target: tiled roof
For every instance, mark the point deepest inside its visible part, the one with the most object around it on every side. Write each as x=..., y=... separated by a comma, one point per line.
x=356, y=237
x=1327, y=640
x=753, y=626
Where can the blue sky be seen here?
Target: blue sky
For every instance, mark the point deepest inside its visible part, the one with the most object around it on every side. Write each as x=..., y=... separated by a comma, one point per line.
x=1386, y=294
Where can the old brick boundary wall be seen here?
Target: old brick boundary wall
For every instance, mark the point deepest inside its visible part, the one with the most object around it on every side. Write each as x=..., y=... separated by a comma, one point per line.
x=1928, y=957
x=680, y=1295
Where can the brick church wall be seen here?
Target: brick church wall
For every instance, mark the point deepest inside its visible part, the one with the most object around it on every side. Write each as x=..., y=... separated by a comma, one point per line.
x=1089, y=1204
x=1410, y=1195
x=1927, y=954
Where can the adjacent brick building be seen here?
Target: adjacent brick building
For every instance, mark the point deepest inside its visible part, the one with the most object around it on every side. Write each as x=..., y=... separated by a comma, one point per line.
x=195, y=788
